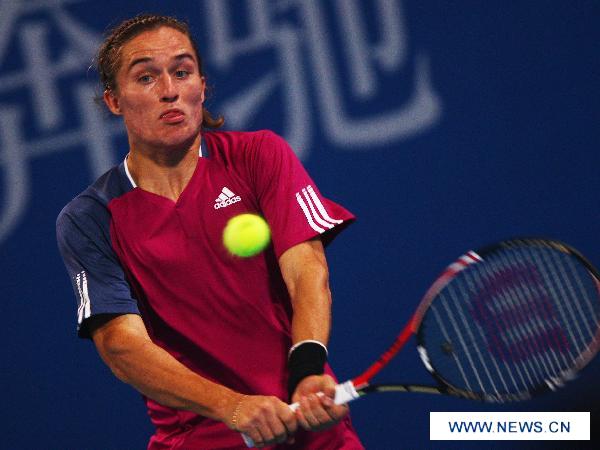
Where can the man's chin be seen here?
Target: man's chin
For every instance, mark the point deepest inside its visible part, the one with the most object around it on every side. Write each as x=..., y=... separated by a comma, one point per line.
x=178, y=142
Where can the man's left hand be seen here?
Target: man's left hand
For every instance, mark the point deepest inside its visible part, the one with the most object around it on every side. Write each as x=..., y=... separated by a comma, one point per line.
x=317, y=412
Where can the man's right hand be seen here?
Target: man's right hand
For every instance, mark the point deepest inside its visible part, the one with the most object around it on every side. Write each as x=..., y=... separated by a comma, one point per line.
x=266, y=420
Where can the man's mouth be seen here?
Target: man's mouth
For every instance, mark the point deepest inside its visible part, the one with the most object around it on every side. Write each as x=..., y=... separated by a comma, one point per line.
x=172, y=116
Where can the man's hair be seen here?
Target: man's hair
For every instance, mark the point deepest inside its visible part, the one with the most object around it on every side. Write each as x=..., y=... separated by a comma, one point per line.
x=109, y=54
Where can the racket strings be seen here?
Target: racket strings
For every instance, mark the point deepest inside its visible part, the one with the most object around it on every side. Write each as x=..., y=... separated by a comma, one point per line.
x=485, y=323
x=536, y=328
x=475, y=359
x=478, y=330
x=541, y=346
x=455, y=357
x=533, y=330
x=555, y=281
x=584, y=313
x=554, y=263
x=473, y=353
x=593, y=314
x=576, y=308
x=524, y=325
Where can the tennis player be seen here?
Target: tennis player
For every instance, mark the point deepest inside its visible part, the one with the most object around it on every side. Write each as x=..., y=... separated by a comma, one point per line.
x=216, y=344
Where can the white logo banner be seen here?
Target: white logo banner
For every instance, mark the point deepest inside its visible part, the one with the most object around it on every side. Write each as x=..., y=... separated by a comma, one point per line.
x=509, y=426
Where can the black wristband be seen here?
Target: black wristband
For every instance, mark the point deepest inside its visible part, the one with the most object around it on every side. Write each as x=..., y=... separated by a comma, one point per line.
x=309, y=358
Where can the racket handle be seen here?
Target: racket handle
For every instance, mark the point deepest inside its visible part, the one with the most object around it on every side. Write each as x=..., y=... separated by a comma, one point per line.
x=344, y=393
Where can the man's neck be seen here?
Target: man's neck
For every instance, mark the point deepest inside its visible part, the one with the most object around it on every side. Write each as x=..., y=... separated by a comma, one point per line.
x=163, y=172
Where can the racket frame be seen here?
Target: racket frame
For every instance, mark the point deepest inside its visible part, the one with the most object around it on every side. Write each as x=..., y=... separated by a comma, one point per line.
x=413, y=327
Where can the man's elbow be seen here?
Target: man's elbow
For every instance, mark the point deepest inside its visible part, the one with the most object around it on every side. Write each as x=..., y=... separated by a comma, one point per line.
x=118, y=349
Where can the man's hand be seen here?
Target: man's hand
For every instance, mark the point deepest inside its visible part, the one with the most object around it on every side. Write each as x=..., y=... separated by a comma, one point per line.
x=317, y=412
x=266, y=420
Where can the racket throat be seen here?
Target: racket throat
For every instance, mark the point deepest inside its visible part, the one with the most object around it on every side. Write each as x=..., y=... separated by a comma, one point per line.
x=345, y=392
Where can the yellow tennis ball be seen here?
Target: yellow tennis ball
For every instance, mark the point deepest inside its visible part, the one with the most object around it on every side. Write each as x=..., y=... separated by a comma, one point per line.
x=246, y=235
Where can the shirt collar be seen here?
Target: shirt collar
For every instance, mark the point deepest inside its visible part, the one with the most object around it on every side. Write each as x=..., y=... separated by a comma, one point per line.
x=133, y=183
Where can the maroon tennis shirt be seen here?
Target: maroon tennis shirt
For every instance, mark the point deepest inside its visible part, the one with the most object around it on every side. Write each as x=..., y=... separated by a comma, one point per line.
x=226, y=318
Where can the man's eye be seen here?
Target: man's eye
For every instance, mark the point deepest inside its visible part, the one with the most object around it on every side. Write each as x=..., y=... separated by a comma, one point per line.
x=182, y=73
x=145, y=79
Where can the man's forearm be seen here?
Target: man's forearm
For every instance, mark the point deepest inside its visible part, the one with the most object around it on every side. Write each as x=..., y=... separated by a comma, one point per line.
x=137, y=361
x=307, y=278
x=304, y=269
x=312, y=314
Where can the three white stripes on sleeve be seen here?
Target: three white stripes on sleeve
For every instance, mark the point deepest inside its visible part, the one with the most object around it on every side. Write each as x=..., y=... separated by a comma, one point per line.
x=84, y=310
x=317, y=216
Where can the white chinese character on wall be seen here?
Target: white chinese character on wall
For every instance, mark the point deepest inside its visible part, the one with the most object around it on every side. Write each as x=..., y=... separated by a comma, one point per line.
x=319, y=61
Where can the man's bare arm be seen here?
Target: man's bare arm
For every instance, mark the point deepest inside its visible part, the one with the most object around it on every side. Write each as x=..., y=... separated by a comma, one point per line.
x=305, y=272
x=124, y=345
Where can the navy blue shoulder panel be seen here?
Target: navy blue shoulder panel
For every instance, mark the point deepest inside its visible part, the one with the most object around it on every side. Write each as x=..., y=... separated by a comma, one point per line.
x=90, y=208
x=83, y=236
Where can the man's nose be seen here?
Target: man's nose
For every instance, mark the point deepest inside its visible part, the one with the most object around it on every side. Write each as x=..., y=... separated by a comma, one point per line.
x=168, y=88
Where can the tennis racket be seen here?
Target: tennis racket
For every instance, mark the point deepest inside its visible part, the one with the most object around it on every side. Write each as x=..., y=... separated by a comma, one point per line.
x=501, y=324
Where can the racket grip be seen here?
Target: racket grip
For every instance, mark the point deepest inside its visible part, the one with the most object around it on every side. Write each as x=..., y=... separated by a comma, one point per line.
x=344, y=393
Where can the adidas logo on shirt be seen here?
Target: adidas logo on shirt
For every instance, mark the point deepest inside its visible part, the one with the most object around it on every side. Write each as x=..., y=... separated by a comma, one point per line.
x=226, y=198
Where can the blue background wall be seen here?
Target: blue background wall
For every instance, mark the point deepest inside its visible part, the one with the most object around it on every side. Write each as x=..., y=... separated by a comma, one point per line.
x=442, y=125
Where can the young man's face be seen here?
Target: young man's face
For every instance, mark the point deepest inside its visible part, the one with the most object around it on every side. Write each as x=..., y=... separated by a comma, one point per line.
x=159, y=90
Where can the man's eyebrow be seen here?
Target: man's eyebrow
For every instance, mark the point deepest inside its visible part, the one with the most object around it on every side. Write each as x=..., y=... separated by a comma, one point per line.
x=185, y=56
x=138, y=61
x=146, y=59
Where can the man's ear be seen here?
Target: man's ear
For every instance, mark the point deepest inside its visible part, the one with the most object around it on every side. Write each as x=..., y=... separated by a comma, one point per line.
x=203, y=88
x=112, y=102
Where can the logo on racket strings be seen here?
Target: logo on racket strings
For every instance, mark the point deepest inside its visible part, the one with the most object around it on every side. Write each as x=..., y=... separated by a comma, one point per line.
x=517, y=315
